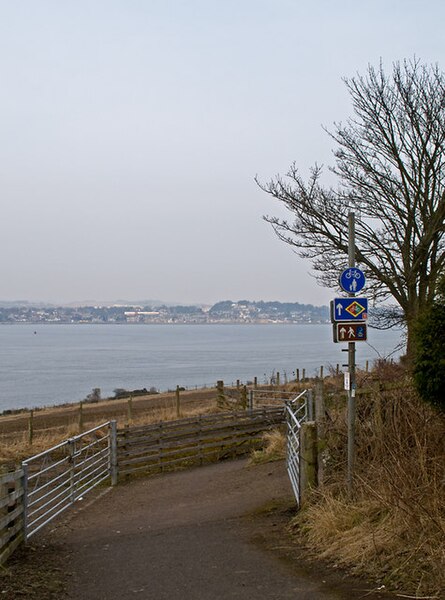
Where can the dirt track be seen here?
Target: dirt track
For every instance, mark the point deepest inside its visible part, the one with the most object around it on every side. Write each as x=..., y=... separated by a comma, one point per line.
x=216, y=532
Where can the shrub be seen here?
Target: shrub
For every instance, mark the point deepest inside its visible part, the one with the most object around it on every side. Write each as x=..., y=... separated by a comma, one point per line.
x=429, y=364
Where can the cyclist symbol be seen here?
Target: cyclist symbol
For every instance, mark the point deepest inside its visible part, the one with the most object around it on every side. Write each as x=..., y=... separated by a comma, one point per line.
x=352, y=280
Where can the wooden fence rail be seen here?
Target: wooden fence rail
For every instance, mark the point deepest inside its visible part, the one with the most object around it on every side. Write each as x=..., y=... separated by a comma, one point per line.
x=11, y=512
x=191, y=441
x=158, y=447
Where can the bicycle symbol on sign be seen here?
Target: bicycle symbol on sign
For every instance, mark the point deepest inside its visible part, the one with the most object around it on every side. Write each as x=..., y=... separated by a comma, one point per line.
x=352, y=280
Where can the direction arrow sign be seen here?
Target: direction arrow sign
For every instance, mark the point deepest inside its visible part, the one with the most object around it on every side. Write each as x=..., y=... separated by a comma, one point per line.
x=350, y=332
x=352, y=280
x=349, y=309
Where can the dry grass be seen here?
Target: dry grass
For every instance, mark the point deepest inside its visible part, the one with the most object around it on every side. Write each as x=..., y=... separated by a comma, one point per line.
x=273, y=447
x=15, y=446
x=393, y=528
x=53, y=425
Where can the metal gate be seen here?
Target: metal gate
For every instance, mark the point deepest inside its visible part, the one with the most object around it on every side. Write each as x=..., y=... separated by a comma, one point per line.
x=298, y=410
x=56, y=478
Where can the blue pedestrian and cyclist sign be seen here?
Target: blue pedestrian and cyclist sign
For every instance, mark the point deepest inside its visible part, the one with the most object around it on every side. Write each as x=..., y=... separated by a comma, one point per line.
x=352, y=280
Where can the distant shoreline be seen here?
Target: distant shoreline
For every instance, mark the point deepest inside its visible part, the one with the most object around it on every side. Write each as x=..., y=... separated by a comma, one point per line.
x=77, y=323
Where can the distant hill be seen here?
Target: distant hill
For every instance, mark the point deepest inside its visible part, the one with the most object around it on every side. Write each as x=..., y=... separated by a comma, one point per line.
x=273, y=310
x=226, y=311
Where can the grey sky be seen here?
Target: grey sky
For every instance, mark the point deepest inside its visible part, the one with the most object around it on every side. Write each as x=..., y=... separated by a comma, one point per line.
x=131, y=131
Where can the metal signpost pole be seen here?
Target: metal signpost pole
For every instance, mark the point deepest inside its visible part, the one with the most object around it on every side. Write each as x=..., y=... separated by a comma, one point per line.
x=351, y=363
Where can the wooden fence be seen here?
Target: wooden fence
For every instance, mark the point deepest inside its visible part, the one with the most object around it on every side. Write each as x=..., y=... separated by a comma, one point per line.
x=11, y=512
x=186, y=442
x=152, y=448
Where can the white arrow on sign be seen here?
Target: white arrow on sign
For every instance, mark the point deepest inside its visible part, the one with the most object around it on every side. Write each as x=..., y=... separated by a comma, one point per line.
x=342, y=332
x=339, y=308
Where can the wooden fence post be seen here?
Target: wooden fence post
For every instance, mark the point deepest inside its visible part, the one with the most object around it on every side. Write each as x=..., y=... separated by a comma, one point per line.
x=80, y=417
x=31, y=427
x=244, y=397
x=308, y=459
x=178, y=403
x=297, y=375
x=321, y=372
x=255, y=382
x=303, y=376
x=126, y=447
x=113, y=453
x=11, y=512
x=320, y=418
x=221, y=399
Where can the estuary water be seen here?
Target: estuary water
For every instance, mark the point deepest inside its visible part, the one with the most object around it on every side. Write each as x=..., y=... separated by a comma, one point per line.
x=44, y=365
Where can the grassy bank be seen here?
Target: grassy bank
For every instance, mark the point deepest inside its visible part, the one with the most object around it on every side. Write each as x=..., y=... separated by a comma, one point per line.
x=392, y=528
x=21, y=437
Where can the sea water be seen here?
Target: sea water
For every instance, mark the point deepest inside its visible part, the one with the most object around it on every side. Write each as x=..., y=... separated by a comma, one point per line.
x=44, y=365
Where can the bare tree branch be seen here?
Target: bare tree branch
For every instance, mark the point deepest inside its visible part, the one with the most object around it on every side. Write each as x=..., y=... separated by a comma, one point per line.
x=390, y=166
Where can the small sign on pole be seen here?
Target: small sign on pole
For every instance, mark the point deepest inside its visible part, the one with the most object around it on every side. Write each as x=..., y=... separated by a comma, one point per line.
x=350, y=332
x=347, y=382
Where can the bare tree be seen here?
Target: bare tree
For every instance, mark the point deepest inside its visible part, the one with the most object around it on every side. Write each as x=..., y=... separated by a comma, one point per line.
x=390, y=165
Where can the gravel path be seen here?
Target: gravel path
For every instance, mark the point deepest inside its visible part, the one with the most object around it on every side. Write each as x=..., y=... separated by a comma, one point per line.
x=212, y=533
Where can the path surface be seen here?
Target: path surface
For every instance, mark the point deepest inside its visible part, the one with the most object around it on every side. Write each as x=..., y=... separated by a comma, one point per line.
x=195, y=535
x=218, y=532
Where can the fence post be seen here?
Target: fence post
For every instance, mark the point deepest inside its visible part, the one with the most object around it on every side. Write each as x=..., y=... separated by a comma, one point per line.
x=31, y=427
x=72, y=463
x=297, y=375
x=113, y=453
x=320, y=420
x=221, y=399
x=244, y=397
x=25, y=502
x=255, y=382
x=80, y=422
x=278, y=378
x=303, y=376
x=178, y=402
x=310, y=405
x=126, y=442
x=308, y=459
x=321, y=372
x=250, y=399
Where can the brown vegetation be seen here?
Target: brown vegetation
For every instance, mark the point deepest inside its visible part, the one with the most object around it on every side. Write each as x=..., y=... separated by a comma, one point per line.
x=52, y=425
x=393, y=527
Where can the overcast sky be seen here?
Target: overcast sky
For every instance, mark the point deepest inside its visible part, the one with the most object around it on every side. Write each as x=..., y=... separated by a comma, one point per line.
x=131, y=132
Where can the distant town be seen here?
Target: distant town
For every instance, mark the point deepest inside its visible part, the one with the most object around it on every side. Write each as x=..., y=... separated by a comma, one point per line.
x=241, y=311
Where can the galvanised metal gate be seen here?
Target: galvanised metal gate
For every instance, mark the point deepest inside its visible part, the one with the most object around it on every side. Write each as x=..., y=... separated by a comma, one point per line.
x=298, y=410
x=56, y=478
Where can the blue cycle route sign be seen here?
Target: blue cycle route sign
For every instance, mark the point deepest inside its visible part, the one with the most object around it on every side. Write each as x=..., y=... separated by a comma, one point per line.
x=349, y=309
x=352, y=280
